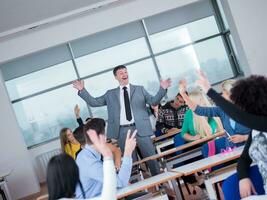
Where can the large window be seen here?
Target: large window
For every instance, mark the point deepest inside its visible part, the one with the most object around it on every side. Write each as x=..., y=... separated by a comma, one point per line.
x=168, y=45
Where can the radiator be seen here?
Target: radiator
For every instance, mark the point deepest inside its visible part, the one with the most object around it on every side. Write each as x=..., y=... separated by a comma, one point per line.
x=44, y=158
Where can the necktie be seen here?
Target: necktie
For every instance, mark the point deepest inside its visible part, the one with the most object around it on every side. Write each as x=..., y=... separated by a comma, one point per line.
x=127, y=104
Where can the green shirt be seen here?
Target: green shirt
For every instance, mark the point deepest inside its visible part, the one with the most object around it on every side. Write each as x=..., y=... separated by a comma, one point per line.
x=188, y=125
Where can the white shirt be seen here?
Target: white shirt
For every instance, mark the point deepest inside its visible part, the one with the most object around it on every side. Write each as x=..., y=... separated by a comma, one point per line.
x=123, y=120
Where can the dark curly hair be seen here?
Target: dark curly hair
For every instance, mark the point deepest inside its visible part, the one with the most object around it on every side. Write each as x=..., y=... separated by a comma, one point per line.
x=250, y=94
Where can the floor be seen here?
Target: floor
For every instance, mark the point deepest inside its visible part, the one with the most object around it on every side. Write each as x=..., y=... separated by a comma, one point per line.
x=34, y=196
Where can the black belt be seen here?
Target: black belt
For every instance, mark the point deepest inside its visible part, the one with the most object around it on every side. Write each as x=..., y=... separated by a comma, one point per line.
x=127, y=125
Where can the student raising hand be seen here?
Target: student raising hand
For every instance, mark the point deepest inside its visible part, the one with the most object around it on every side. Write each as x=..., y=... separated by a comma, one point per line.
x=130, y=143
x=99, y=142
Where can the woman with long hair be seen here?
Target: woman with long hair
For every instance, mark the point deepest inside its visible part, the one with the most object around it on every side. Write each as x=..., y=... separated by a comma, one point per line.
x=195, y=126
x=68, y=142
x=237, y=132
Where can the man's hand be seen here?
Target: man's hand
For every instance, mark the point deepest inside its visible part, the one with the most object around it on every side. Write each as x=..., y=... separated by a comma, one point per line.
x=77, y=111
x=182, y=85
x=237, y=138
x=99, y=142
x=165, y=83
x=246, y=188
x=202, y=81
x=79, y=85
x=130, y=143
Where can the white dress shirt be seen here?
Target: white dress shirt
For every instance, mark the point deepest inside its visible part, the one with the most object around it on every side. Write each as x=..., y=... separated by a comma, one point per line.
x=123, y=120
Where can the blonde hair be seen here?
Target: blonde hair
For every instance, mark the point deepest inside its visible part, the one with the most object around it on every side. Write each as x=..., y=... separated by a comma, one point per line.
x=201, y=124
x=227, y=85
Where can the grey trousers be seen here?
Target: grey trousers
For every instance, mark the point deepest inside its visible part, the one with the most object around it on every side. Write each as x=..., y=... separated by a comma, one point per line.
x=145, y=145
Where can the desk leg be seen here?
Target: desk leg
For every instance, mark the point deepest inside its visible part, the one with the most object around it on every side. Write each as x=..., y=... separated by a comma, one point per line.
x=210, y=190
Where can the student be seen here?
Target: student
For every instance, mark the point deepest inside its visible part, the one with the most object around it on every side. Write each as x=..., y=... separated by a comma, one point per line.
x=196, y=127
x=90, y=163
x=238, y=132
x=68, y=142
x=171, y=115
x=80, y=137
x=63, y=173
x=250, y=98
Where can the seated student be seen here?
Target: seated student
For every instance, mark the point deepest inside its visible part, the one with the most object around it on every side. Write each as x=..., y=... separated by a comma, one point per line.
x=250, y=96
x=90, y=163
x=171, y=115
x=68, y=143
x=80, y=137
x=195, y=126
x=238, y=132
x=63, y=173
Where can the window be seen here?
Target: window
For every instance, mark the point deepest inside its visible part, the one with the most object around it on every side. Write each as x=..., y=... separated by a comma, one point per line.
x=184, y=34
x=42, y=117
x=113, y=56
x=174, y=44
x=40, y=80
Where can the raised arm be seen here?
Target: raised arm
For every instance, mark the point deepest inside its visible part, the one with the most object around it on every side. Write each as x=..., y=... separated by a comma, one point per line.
x=182, y=88
x=109, y=173
x=247, y=119
x=77, y=114
x=84, y=94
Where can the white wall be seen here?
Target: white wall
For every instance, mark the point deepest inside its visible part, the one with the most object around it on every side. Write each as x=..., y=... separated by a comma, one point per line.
x=247, y=21
x=38, y=151
x=13, y=152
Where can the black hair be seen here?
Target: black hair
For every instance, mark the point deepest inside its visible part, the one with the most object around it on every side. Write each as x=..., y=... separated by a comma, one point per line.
x=62, y=177
x=96, y=124
x=118, y=68
x=250, y=94
x=79, y=135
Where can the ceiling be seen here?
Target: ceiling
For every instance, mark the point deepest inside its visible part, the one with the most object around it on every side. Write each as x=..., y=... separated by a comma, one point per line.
x=17, y=15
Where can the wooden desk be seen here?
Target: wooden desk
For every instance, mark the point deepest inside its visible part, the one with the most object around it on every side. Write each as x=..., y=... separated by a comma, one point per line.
x=183, y=147
x=148, y=183
x=168, y=134
x=209, y=162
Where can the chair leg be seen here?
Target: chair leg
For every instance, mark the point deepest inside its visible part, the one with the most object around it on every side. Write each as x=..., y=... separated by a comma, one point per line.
x=180, y=188
x=217, y=191
x=187, y=188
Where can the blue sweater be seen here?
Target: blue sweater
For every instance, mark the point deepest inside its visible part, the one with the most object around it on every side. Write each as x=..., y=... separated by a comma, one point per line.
x=218, y=112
